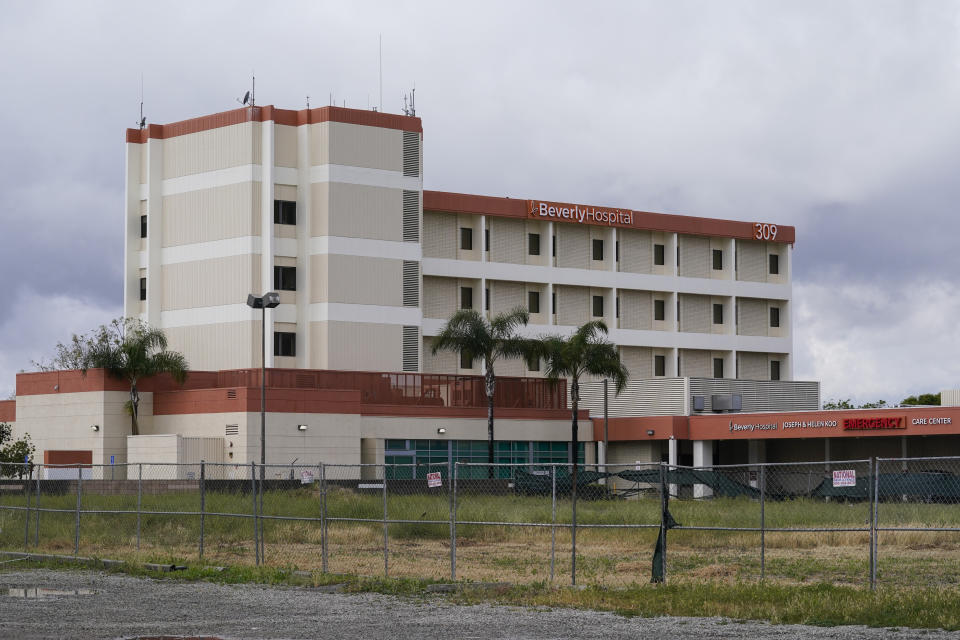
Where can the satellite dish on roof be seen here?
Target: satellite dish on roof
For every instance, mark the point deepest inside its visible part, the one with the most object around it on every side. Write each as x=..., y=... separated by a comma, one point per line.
x=250, y=97
x=246, y=97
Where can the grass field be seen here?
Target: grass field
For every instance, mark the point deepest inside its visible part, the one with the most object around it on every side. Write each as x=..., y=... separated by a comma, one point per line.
x=609, y=552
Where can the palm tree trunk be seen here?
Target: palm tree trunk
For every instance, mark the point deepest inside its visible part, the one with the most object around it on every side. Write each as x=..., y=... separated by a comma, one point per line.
x=134, y=406
x=491, y=384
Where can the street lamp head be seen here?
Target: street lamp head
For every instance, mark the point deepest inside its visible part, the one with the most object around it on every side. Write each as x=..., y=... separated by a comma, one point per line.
x=254, y=301
x=271, y=300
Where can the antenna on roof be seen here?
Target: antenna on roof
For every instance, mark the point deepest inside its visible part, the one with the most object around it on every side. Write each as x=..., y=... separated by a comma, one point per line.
x=250, y=96
x=308, y=102
x=381, y=72
x=142, y=122
x=412, y=109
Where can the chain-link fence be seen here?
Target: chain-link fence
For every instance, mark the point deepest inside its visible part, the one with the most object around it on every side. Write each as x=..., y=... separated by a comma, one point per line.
x=893, y=521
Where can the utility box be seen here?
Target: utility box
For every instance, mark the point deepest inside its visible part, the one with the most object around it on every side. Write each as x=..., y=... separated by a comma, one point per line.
x=174, y=457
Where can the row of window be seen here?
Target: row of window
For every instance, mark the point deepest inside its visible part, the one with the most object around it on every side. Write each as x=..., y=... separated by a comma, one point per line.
x=597, y=250
x=435, y=455
x=659, y=306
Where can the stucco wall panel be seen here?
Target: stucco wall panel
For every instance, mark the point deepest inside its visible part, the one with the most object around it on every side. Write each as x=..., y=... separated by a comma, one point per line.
x=219, y=148
x=231, y=211
x=356, y=146
x=227, y=345
x=207, y=283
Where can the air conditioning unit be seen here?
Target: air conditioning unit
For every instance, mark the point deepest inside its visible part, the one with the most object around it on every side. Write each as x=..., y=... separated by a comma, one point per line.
x=721, y=403
x=698, y=403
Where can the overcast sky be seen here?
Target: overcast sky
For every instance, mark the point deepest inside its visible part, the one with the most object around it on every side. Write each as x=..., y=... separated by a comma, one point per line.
x=840, y=118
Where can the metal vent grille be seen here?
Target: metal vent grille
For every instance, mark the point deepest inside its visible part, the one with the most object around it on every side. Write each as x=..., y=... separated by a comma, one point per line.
x=411, y=344
x=232, y=430
x=305, y=381
x=411, y=283
x=411, y=153
x=231, y=394
x=411, y=216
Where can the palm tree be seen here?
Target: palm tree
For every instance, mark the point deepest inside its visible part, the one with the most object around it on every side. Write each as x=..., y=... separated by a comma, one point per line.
x=587, y=351
x=474, y=338
x=140, y=352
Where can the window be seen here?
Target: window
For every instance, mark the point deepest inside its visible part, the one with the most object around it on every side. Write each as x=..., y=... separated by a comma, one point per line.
x=774, y=369
x=658, y=254
x=466, y=297
x=554, y=246
x=143, y=226
x=486, y=295
x=284, y=212
x=659, y=366
x=616, y=250
x=533, y=244
x=774, y=316
x=553, y=302
x=718, y=367
x=486, y=239
x=718, y=314
x=143, y=288
x=533, y=363
x=284, y=343
x=597, y=249
x=598, y=306
x=285, y=278
x=718, y=259
x=466, y=360
x=618, y=307
x=466, y=238
x=774, y=264
x=659, y=310
x=533, y=304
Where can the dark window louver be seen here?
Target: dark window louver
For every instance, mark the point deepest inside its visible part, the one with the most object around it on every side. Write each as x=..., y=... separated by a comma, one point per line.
x=411, y=344
x=411, y=153
x=411, y=283
x=411, y=216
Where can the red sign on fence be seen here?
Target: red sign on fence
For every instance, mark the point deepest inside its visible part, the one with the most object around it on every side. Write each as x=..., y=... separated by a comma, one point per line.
x=434, y=480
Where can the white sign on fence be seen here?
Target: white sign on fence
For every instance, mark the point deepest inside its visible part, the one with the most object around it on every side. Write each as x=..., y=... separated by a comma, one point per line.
x=306, y=477
x=845, y=478
x=434, y=480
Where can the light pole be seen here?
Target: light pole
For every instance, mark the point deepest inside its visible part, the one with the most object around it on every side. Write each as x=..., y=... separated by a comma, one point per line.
x=264, y=302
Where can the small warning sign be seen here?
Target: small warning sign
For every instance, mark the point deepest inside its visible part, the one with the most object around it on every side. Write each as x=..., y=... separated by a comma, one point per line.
x=434, y=480
x=845, y=478
x=306, y=477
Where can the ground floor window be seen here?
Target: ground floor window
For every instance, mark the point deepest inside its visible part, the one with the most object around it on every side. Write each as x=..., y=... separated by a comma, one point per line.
x=424, y=456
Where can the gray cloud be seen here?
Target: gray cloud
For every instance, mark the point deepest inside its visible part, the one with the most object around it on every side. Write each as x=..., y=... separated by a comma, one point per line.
x=836, y=117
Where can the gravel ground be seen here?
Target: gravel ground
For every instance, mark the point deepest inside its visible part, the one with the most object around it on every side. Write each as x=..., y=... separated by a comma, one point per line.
x=120, y=606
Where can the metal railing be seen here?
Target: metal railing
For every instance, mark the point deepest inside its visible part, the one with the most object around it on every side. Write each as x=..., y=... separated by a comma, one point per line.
x=884, y=520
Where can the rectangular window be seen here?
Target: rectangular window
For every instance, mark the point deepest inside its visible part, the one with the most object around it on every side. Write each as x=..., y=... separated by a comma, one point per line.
x=486, y=239
x=553, y=302
x=466, y=361
x=618, y=307
x=658, y=254
x=284, y=212
x=554, y=246
x=533, y=304
x=718, y=314
x=143, y=226
x=597, y=306
x=466, y=297
x=774, y=316
x=284, y=343
x=486, y=295
x=774, y=264
x=533, y=244
x=718, y=367
x=466, y=238
x=533, y=364
x=718, y=259
x=616, y=250
x=659, y=366
x=143, y=288
x=285, y=278
x=774, y=369
x=597, y=249
x=659, y=310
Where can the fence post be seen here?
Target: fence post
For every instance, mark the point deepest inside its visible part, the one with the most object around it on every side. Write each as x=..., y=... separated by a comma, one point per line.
x=386, y=527
x=139, y=499
x=553, y=526
x=203, y=502
x=573, y=532
x=26, y=518
x=263, y=537
x=36, y=528
x=323, y=517
x=76, y=529
x=874, y=522
x=763, y=522
x=452, y=473
x=663, y=522
x=253, y=494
